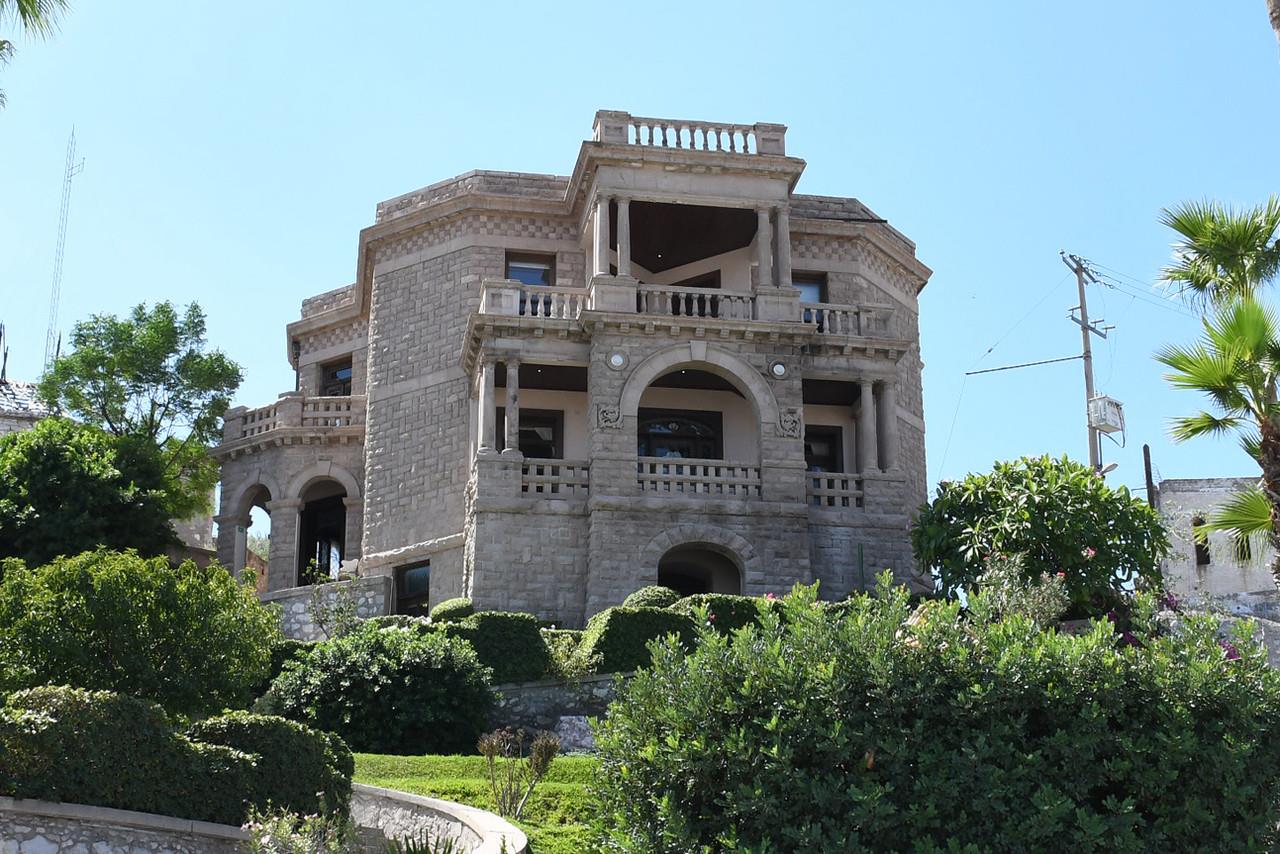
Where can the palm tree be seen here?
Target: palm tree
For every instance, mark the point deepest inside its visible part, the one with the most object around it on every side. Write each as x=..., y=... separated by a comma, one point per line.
x=1236, y=364
x=1273, y=8
x=37, y=17
x=1222, y=252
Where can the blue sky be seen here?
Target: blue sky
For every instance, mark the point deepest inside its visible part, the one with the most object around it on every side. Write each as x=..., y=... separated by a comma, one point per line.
x=233, y=152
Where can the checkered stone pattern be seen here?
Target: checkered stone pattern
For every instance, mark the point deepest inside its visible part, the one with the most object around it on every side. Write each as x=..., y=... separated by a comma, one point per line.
x=496, y=225
x=523, y=184
x=328, y=300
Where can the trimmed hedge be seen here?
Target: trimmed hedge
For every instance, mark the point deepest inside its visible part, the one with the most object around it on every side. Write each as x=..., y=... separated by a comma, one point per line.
x=452, y=609
x=400, y=621
x=283, y=651
x=619, y=636
x=726, y=612
x=105, y=749
x=388, y=691
x=298, y=769
x=653, y=596
x=509, y=644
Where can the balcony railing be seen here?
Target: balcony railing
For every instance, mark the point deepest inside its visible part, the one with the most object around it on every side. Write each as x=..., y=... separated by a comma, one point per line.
x=831, y=319
x=294, y=411
x=560, y=478
x=516, y=299
x=668, y=301
x=826, y=489
x=667, y=476
x=690, y=135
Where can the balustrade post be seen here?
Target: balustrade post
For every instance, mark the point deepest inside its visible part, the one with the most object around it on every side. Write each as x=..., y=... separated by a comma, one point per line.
x=624, y=236
x=764, y=247
x=601, y=260
x=512, y=432
x=866, y=427
x=486, y=415
x=784, y=247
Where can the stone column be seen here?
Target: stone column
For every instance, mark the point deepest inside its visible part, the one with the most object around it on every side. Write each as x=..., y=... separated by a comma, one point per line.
x=888, y=425
x=624, y=237
x=486, y=434
x=784, y=247
x=866, y=427
x=512, y=432
x=354, y=505
x=282, y=562
x=602, y=236
x=233, y=541
x=764, y=247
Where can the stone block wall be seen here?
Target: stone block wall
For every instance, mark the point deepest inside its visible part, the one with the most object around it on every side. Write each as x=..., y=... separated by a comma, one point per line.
x=541, y=705
x=41, y=827
x=370, y=595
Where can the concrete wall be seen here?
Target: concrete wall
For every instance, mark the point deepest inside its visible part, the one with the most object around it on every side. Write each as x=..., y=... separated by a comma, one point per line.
x=400, y=815
x=1181, y=501
x=299, y=606
x=41, y=827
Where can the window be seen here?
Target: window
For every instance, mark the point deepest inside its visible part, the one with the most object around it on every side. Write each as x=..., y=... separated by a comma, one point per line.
x=1203, y=558
x=335, y=378
x=812, y=286
x=687, y=434
x=531, y=269
x=413, y=589
x=1243, y=550
x=541, y=433
x=823, y=449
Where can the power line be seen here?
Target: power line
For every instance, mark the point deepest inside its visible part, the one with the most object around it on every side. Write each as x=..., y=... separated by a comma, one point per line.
x=1025, y=365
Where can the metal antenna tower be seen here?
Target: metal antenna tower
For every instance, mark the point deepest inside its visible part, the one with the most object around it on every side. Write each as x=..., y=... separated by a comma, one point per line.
x=52, y=338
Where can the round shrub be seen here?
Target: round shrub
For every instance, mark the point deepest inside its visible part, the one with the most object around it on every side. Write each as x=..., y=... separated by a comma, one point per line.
x=617, y=639
x=653, y=596
x=452, y=609
x=298, y=769
x=400, y=621
x=388, y=691
x=192, y=639
x=105, y=749
x=815, y=734
x=725, y=612
x=509, y=644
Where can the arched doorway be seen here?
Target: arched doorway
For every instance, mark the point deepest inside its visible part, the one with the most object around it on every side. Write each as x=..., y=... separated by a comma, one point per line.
x=322, y=531
x=695, y=568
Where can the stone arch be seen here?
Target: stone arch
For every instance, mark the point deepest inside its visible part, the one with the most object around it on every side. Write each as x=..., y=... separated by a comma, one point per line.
x=238, y=505
x=696, y=354
x=322, y=471
x=732, y=545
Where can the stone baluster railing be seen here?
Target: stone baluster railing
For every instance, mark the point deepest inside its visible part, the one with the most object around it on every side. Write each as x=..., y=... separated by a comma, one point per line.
x=666, y=301
x=255, y=422
x=333, y=411
x=689, y=477
x=560, y=478
x=834, y=489
x=515, y=299
x=830, y=319
x=626, y=129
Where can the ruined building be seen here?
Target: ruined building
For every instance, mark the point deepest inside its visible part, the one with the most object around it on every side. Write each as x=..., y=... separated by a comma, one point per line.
x=546, y=391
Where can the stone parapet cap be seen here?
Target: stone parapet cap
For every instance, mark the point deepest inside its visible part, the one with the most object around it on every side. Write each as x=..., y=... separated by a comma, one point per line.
x=374, y=563
x=91, y=815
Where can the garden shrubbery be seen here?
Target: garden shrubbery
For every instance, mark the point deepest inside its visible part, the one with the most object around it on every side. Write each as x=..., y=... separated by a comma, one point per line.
x=726, y=612
x=452, y=609
x=617, y=638
x=922, y=729
x=192, y=639
x=509, y=644
x=388, y=691
x=653, y=596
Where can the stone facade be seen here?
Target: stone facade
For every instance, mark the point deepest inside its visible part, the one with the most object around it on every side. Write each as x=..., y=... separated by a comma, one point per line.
x=541, y=705
x=20, y=408
x=304, y=609
x=41, y=827
x=710, y=381
x=1217, y=568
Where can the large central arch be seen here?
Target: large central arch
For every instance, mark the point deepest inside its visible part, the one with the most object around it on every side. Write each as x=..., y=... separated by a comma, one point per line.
x=697, y=355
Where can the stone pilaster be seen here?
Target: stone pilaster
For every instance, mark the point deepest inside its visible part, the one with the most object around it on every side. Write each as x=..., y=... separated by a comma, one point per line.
x=511, y=445
x=764, y=248
x=866, y=427
x=282, y=562
x=624, y=237
x=784, y=247
x=354, y=505
x=486, y=433
x=887, y=414
x=600, y=261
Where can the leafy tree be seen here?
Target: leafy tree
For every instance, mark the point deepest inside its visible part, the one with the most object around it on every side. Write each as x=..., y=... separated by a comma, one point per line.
x=65, y=488
x=1222, y=252
x=260, y=544
x=1236, y=364
x=192, y=639
x=37, y=17
x=1058, y=514
x=147, y=379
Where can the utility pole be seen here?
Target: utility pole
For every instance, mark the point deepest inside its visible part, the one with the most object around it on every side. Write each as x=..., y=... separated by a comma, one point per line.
x=51, y=349
x=1077, y=266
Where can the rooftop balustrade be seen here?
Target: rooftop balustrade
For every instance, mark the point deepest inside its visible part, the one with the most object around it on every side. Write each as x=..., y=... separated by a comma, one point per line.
x=294, y=415
x=689, y=134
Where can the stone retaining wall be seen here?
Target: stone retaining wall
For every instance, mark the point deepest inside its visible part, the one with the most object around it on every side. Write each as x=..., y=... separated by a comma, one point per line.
x=371, y=594
x=397, y=815
x=541, y=705
x=41, y=827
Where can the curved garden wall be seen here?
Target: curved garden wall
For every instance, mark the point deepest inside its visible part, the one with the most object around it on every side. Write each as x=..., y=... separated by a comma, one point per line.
x=42, y=827
x=399, y=814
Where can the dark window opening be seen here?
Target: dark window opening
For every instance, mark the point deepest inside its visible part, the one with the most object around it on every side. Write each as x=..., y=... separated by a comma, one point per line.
x=1243, y=550
x=690, y=570
x=680, y=433
x=335, y=379
x=812, y=286
x=531, y=269
x=323, y=537
x=823, y=449
x=541, y=433
x=413, y=589
x=1203, y=558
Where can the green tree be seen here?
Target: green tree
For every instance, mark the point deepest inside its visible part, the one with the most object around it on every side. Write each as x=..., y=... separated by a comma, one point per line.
x=65, y=488
x=1236, y=364
x=148, y=380
x=37, y=18
x=1057, y=513
x=1223, y=252
x=192, y=639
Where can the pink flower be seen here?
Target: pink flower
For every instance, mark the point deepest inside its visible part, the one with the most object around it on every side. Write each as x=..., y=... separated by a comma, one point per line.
x=1089, y=552
x=1061, y=574
x=711, y=618
x=1229, y=649
x=770, y=597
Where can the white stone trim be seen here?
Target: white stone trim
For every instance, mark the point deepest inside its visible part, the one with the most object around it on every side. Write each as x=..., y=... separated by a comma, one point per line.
x=91, y=815
x=481, y=832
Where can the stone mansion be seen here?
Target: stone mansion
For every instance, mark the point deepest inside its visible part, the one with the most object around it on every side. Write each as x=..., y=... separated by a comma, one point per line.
x=544, y=392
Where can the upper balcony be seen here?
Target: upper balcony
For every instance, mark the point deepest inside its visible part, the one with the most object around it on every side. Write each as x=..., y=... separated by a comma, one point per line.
x=620, y=128
x=293, y=419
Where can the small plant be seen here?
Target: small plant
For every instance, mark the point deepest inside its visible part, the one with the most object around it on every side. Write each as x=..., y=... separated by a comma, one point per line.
x=1004, y=590
x=332, y=607
x=424, y=844
x=512, y=774
x=285, y=833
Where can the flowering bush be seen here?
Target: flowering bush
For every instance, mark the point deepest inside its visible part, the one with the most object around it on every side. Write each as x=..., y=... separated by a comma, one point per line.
x=1007, y=591
x=890, y=728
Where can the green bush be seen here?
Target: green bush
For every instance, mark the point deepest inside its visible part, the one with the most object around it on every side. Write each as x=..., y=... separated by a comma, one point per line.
x=400, y=621
x=1058, y=514
x=388, y=691
x=509, y=644
x=617, y=637
x=105, y=749
x=283, y=651
x=298, y=769
x=726, y=612
x=192, y=639
x=924, y=731
x=452, y=609
x=653, y=596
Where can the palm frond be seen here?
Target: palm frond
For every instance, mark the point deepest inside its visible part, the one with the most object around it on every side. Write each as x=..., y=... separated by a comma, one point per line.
x=38, y=17
x=1202, y=424
x=1245, y=517
x=1222, y=252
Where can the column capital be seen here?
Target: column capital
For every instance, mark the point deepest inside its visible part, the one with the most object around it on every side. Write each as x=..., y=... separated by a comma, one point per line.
x=350, y=501
x=511, y=362
x=284, y=504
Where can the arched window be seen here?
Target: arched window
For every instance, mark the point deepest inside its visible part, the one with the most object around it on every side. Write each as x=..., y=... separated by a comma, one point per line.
x=684, y=434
